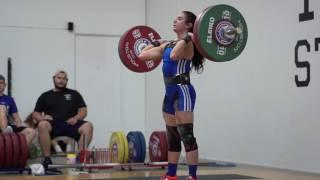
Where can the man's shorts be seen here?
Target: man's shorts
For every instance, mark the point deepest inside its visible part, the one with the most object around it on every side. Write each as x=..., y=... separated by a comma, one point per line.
x=17, y=129
x=62, y=128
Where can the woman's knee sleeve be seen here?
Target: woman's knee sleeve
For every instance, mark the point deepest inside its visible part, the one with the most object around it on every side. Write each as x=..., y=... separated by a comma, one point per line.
x=188, y=139
x=174, y=140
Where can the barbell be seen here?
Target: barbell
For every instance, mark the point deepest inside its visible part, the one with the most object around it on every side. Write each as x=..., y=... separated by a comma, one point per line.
x=220, y=34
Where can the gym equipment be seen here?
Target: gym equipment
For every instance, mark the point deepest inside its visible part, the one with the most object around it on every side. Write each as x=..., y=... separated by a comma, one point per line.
x=14, y=153
x=143, y=146
x=106, y=158
x=126, y=147
x=131, y=44
x=158, y=150
x=137, y=146
x=118, y=147
x=220, y=34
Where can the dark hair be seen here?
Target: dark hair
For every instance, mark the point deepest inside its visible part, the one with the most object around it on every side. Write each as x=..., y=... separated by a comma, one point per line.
x=30, y=121
x=197, y=59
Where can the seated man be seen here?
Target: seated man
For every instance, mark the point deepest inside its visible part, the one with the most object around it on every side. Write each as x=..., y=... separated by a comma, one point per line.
x=64, y=112
x=8, y=109
x=67, y=142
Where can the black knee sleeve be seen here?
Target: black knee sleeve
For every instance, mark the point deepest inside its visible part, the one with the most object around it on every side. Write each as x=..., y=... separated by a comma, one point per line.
x=186, y=134
x=174, y=140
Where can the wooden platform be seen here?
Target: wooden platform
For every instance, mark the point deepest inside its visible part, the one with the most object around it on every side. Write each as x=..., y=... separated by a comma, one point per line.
x=144, y=173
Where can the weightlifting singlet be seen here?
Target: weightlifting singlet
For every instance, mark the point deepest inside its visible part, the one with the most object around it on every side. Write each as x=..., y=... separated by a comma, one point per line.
x=178, y=97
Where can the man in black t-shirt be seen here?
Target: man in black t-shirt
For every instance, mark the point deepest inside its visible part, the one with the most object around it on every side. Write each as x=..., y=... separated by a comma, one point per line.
x=61, y=112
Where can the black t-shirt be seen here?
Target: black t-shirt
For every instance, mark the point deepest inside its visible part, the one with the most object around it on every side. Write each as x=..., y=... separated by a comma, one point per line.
x=61, y=105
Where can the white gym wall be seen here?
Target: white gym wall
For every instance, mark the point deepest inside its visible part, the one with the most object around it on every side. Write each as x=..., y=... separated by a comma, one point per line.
x=34, y=34
x=248, y=110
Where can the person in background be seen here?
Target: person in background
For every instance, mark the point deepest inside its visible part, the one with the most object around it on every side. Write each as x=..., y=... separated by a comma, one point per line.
x=61, y=112
x=10, y=121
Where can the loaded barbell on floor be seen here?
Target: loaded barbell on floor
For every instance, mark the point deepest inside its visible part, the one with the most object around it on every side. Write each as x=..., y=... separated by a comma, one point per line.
x=115, y=156
x=14, y=151
x=130, y=165
x=220, y=34
x=107, y=165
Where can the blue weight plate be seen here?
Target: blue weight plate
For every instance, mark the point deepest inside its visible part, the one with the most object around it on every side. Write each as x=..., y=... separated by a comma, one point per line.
x=134, y=147
x=143, y=146
x=139, y=150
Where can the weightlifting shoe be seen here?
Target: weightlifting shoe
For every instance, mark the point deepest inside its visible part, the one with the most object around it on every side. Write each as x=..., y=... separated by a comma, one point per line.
x=46, y=162
x=166, y=177
x=191, y=178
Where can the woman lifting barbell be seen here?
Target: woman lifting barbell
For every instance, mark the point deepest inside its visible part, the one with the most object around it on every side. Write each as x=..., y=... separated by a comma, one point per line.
x=179, y=57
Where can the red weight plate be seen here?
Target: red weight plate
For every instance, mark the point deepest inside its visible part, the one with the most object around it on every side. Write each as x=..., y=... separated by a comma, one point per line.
x=158, y=150
x=15, y=149
x=8, y=151
x=131, y=44
x=85, y=156
x=154, y=147
x=164, y=145
x=2, y=151
x=24, y=150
